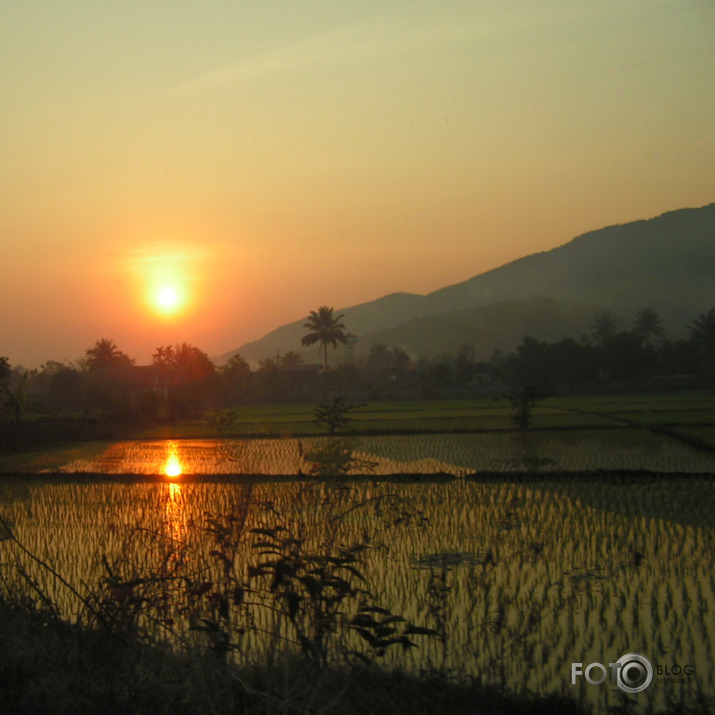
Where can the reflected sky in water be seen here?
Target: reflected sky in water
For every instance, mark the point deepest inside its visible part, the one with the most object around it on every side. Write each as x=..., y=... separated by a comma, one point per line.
x=456, y=454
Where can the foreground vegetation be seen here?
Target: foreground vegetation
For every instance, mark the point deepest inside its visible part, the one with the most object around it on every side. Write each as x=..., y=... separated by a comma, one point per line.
x=49, y=666
x=112, y=659
x=357, y=596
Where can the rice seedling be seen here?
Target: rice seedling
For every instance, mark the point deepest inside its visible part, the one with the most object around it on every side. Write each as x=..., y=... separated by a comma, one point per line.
x=518, y=579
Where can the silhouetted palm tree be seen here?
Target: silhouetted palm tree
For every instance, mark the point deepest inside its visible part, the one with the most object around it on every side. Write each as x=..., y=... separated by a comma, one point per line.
x=185, y=362
x=325, y=328
x=648, y=324
x=106, y=354
x=702, y=329
x=604, y=327
x=163, y=357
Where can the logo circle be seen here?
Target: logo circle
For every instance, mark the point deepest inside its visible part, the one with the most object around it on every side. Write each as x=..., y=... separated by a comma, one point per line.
x=635, y=673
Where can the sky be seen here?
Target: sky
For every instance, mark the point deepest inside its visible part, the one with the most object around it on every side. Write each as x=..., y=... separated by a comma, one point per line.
x=254, y=160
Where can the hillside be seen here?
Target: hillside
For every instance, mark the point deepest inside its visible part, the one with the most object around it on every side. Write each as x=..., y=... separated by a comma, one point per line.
x=664, y=263
x=497, y=325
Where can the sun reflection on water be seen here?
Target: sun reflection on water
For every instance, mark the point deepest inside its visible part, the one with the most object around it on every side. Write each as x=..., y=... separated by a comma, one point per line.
x=174, y=506
x=173, y=467
x=175, y=517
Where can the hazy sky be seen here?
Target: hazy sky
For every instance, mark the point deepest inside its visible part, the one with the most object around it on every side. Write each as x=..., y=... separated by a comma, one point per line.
x=263, y=158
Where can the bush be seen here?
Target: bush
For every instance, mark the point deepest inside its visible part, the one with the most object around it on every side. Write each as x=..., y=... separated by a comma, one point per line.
x=334, y=415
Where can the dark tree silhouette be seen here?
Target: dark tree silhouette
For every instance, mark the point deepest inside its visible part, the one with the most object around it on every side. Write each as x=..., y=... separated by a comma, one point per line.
x=379, y=358
x=237, y=379
x=291, y=358
x=4, y=368
x=163, y=356
x=702, y=329
x=624, y=357
x=185, y=363
x=604, y=327
x=702, y=333
x=237, y=364
x=325, y=328
x=191, y=363
x=105, y=354
x=400, y=359
x=15, y=398
x=648, y=324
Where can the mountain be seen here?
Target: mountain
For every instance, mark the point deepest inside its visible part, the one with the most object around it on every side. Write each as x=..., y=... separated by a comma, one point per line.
x=663, y=263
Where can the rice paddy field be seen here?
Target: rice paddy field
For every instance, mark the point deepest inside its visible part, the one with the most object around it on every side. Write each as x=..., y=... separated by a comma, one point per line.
x=455, y=454
x=566, y=412
x=523, y=553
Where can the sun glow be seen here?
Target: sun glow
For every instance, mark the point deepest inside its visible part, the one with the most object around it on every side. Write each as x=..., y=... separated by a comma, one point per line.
x=168, y=297
x=167, y=276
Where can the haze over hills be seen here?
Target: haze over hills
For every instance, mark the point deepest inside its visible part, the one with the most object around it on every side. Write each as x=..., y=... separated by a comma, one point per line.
x=663, y=263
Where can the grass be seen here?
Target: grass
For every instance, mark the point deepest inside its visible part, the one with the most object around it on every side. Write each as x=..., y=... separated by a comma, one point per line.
x=289, y=419
x=650, y=409
x=461, y=415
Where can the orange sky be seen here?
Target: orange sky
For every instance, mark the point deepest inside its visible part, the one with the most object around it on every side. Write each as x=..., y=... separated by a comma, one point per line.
x=270, y=157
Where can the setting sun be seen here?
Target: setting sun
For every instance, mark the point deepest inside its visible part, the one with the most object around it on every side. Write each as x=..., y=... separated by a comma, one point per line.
x=168, y=298
x=166, y=278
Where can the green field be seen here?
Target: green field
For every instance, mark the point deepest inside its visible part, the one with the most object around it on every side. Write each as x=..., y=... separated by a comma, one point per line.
x=659, y=410
x=560, y=427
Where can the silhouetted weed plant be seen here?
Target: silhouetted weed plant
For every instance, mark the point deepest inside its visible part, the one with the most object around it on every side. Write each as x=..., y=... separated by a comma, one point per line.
x=523, y=399
x=317, y=592
x=334, y=414
x=269, y=582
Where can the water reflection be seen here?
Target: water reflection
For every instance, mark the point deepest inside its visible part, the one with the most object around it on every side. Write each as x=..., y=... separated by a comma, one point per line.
x=457, y=454
x=173, y=467
x=174, y=513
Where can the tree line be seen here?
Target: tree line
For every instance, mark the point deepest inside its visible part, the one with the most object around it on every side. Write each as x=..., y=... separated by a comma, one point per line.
x=183, y=382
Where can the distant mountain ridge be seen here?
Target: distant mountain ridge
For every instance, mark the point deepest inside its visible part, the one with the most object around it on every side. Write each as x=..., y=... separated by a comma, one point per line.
x=665, y=263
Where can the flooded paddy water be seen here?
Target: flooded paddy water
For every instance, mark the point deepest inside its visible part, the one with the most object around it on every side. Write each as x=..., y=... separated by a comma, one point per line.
x=457, y=454
x=518, y=577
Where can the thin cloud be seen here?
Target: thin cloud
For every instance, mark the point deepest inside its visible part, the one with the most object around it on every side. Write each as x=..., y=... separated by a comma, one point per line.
x=164, y=256
x=344, y=44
